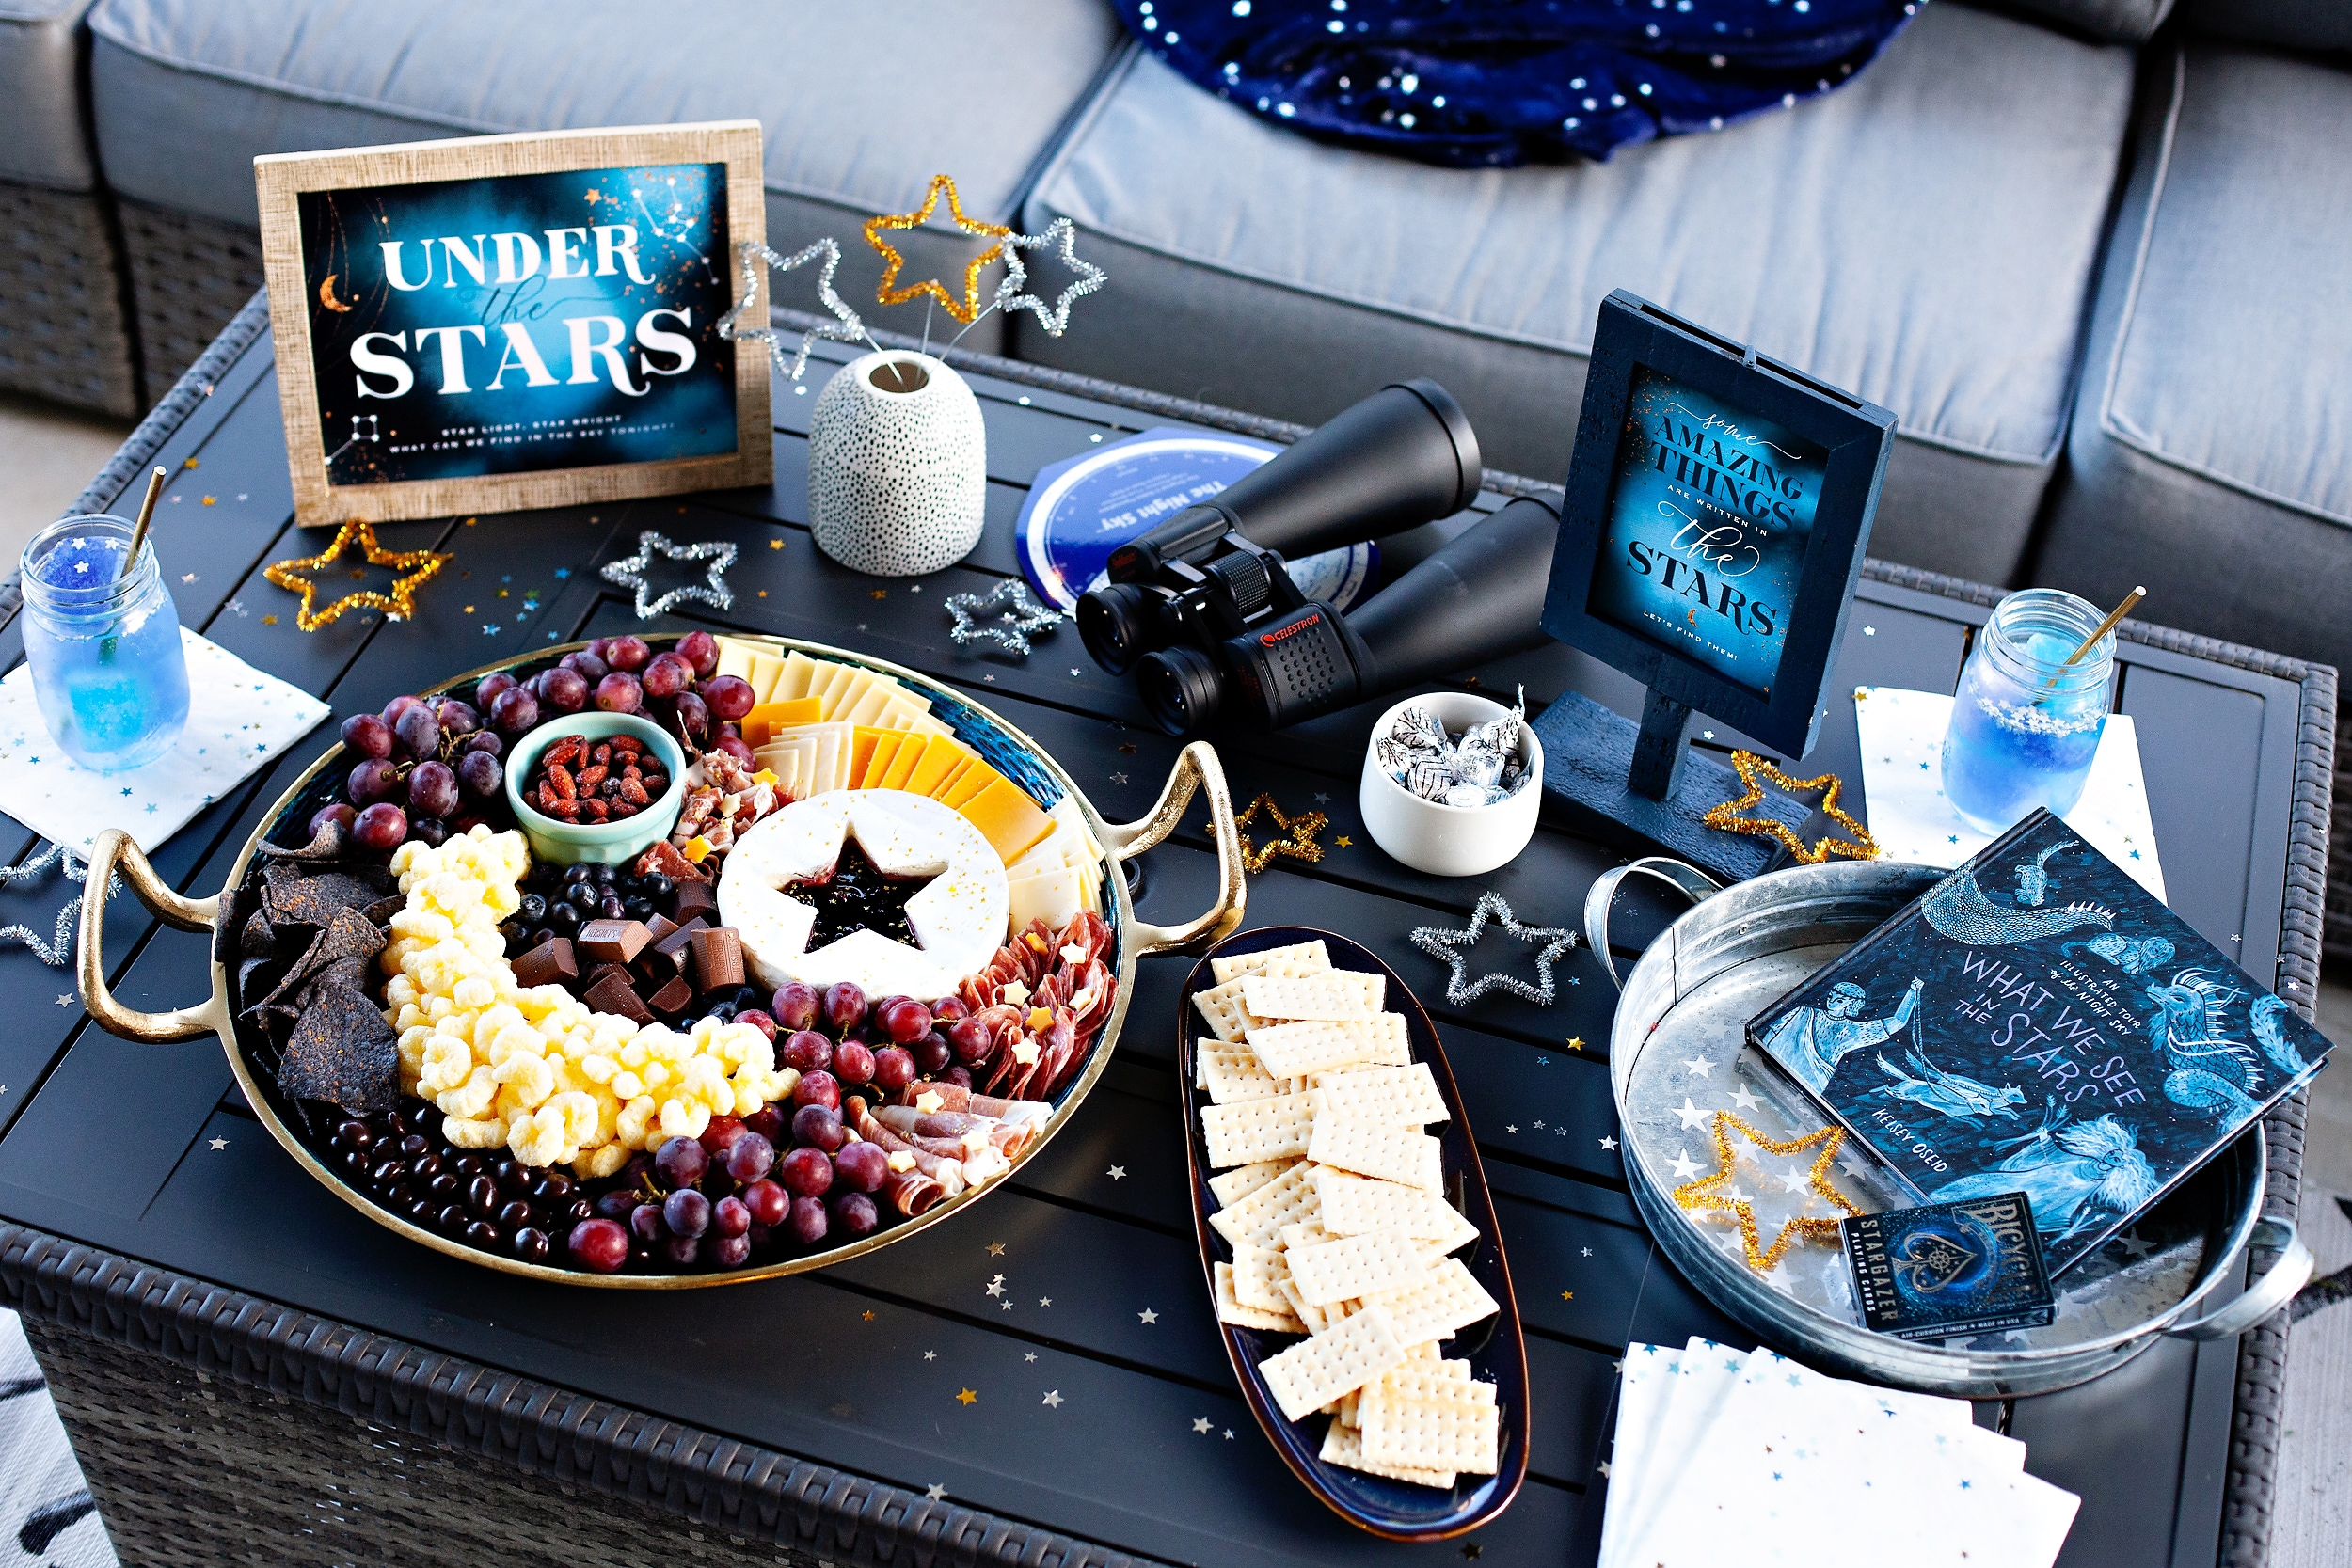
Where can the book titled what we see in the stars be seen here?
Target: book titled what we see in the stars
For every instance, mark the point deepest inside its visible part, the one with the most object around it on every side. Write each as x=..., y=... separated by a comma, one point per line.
x=2039, y=1022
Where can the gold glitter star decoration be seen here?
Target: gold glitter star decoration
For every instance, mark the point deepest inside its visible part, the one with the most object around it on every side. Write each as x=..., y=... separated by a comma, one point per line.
x=963, y=309
x=1706, y=1194
x=418, y=567
x=1298, y=840
x=1755, y=772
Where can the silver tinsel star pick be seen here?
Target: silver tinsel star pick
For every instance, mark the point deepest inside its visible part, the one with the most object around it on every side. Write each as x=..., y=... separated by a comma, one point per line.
x=845, y=328
x=58, y=949
x=630, y=572
x=1009, y=295
x=1449, y=946
x=1020, y=616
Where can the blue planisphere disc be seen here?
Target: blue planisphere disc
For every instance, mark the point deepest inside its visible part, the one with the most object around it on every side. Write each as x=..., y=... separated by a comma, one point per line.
x=1079, y=510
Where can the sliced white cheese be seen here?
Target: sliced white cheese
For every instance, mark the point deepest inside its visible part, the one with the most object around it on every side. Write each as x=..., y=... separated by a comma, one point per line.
x=735, y=659
x=798, y=669
x=1054, y=896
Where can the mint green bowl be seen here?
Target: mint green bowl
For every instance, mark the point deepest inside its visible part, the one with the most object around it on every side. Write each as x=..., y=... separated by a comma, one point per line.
x=595, y=843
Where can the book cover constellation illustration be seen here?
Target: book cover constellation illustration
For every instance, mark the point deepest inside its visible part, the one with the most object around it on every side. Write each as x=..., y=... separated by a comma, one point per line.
x=2036, y=1022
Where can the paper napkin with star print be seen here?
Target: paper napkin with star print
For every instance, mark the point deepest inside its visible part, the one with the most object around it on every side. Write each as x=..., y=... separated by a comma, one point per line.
x=239, y=720
x=1903, y=782
x=1722, y=1456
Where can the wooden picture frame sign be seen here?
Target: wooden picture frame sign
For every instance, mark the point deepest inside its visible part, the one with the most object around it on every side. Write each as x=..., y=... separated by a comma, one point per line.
x=1718, y=507
x=498, y=324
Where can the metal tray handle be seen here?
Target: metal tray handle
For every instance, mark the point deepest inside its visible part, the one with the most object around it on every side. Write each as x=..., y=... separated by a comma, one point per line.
x=1197, y=767
x=116, y=850
x=1689, y=880
x=2273, y=1290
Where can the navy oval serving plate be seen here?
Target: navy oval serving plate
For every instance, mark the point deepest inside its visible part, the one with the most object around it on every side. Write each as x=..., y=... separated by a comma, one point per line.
x=1496, y=1353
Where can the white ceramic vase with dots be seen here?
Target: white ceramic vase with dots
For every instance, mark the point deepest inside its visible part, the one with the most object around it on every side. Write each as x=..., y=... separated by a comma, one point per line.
x=898, y=466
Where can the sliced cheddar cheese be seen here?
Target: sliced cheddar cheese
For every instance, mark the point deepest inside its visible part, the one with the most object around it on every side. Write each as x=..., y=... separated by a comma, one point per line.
x=940, y=753
x=862, y=752
x=970, y=783
x=878, y=766
x=1006, y=817
x=762, y=723
x=902, y=763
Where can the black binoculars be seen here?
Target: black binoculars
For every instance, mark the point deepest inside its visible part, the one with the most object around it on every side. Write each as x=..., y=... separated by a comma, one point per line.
x=1203, y=610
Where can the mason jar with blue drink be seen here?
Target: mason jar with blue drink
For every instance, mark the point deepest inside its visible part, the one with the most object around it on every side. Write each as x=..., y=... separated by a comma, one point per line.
x=109, y=673
x=2026, y=723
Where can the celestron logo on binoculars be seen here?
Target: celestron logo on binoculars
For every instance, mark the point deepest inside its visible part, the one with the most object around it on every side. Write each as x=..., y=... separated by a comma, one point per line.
x=523, y=322
x=1271, y=637
x=1708, y=523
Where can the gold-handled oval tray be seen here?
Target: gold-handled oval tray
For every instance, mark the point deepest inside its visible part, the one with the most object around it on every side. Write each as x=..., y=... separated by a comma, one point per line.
x=307, y=1129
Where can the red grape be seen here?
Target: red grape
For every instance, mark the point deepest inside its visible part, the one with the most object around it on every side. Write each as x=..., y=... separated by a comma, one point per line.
x=817, y=1088
x=667, y=675
x=398, y=706
x=457, y=719
x=960, y=1076
x=808, y=1220
x=564, y=691
x=894, y=1068
x=720, y=1135
x=367, y=734
x=418, y=731
x=906, y=1020
x=481, y=773
x=806, y=1172
x=692, y=716
x=758, y=1020
x=383, y=826
x=681, y=1252
x=730, y=697
x=686, y=1212
x=854, y=1062
x=646, y=1224
x=845, y=1005
x=768, y=1202
x=430, y=831
x=514, y=711
x=620, y=693
x=484, y=740
x=854, y=1215
x=680, y=1162
x=701, y=652
x=819, y=1127
x=795, y=1004
x=949, y=1008
x=862, y=1166
x=751, y=1157
x=729, y=1252
x=485, y=690
x=970, y=1039
x=432, y=790
x=372, y=781
x=735, y=746
x=769, y=1123
x=931, y=1052
x=586, y=663
x=626, y=653
x=806, y=1051
x=598, y=1246
x=336, y=812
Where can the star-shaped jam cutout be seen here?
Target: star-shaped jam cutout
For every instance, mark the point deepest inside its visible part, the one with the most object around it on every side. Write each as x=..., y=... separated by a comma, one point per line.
x=857, y=896
x=417, y=566
x=1298, y=840
x=1709, y=1191
x=964, y=310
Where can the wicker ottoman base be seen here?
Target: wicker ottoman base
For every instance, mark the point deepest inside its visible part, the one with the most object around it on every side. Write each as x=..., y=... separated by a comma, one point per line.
x=189, y=276
x=67, y=338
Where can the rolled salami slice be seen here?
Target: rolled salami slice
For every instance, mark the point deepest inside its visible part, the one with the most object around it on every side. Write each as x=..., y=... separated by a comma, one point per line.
x=911, y=1192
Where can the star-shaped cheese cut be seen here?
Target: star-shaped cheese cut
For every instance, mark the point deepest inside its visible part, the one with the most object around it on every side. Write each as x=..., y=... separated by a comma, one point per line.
x=958, y=921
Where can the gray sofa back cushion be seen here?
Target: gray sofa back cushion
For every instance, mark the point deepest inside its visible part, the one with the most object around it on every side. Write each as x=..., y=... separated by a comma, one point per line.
x=42, y=138
x=2294, y=23
x=2124, y=21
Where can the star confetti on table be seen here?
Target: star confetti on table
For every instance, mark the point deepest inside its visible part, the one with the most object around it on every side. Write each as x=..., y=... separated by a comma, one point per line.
x=935, y=1491
x=891, y=292
x=868, y=1315
x=220, y=1143
x=630, y=572
x=967, y=1397
x=1005, y=615
x=1148, y=1316
x=931, y=1355
x=417, y=566
x=1052, y=1399
x=1451, y=947
x=1755, y=772
x=1709, y=1192
x=1298, y=840
x=995, y=1249
x=1201, y=1424
x=1117, y=1173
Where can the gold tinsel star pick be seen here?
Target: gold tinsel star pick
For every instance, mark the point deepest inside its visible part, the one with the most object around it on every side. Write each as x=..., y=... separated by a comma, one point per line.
x=1299, y=840
x=419, y=565
x=968, y=307
x=1752, y=769
x=1702, y=1193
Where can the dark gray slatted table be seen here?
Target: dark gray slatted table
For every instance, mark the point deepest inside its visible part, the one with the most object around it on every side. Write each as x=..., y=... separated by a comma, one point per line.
x=142, y=1205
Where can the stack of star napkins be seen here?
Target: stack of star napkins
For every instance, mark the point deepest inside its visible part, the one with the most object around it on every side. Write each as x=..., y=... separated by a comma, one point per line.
x=1726, y=1456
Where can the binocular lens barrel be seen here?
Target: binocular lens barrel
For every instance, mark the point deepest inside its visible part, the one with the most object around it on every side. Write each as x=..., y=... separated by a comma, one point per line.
x=1181, y=688
x=1115, y=623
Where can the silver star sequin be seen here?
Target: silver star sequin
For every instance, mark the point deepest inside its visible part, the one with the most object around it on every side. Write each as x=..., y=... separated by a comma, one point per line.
x=630, y=572
x=1018, y=617
x=1449, y=947
x=845, y=328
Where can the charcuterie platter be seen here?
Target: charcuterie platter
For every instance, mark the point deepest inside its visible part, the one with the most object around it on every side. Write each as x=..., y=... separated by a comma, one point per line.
x=657, y=962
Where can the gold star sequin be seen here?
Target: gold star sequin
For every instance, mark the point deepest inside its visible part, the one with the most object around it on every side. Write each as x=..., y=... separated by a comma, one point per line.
x=964, y=310
x=776, y=544
x=1727, y=819
x=1344, y=842
x=1299, y=840
x=1575, y=1045
x=417, y=565
x=967, y=1397
x=1701, y=1194
x=868, y=1315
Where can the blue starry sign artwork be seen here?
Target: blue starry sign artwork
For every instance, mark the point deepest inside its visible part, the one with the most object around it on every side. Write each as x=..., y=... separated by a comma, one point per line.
x=503, y=323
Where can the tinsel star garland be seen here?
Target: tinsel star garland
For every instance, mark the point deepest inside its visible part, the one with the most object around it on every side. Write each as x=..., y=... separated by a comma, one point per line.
x=1018, y=617
x=630, y=572
x=847, y=326
x=1449, y=947
x=1702, y=1194
x=966, y=309
x=1009, y=295
x=1752, y=769
x=419, y=565
x=58, y=949
x=1299, y=842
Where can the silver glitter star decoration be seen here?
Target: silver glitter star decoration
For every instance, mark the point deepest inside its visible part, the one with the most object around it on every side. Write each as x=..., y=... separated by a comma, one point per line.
x=1016, y=617
x=1452, y=946
x=631, y=573
x=847, y=328
x=58, y=949
x=1009, y=295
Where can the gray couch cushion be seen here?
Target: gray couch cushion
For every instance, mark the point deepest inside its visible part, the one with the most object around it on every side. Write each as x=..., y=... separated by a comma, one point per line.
x=2210, y=456
x=2128, y=21
x=1924, y=236
x=187, y=92
x=2296, y=23
x=42, y=139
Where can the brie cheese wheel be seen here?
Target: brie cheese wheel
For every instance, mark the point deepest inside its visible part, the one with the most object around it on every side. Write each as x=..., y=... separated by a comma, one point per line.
x=958, y=921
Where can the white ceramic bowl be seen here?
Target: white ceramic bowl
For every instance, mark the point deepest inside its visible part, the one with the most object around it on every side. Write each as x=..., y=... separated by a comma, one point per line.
x=1442, y=840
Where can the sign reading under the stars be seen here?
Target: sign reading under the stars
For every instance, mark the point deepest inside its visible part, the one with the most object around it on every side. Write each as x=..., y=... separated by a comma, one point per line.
x=1708, y=519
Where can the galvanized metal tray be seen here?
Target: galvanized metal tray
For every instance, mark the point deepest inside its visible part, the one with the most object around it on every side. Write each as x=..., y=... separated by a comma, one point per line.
x=1678, y=1053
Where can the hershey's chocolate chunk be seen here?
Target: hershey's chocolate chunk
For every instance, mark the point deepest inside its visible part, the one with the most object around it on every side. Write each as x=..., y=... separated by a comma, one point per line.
x=616, y=942
x=612, y=994
x=694, y=899
x=606, y=971
x=551, y=963
x=675, y=944
x=660, y=925
x=672, y=998
x=717, y=958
